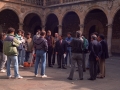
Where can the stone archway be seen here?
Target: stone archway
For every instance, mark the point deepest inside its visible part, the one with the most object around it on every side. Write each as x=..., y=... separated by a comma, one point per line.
x=98, y=19
x=52, y=23
x=116, y=33
x=32, y=23
x=70, y=23
x=8, y=18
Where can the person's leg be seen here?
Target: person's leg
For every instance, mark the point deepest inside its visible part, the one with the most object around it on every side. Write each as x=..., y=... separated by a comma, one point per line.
x=80, y=68
x=84, y=69
x=72, y=67
x=19, y=56
x=3, y=59
x=43, y=62
x=37, y=62
x=14, y=59
x=8, y=66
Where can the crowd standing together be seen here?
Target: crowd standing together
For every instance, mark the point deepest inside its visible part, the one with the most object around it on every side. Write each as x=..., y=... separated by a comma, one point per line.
x=17, y=49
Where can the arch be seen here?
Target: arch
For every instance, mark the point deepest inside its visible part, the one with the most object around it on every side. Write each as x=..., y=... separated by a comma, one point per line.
x=32, y=11
x=70, y=23
x=93, y=8
x=68, y=11
x=31, y=21
x=52, y=23
x=8, y=18
x=11, y=8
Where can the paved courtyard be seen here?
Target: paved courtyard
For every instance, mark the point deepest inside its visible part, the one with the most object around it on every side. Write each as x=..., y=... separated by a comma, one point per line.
x=57, y=79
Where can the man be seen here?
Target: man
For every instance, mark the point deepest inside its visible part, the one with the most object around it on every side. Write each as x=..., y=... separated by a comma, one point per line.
x=104, y=55
x=29, y=46
x=77, y=45
x=61, y=49
x=19, y=37
x=68, y=54
x=56, y=38
x=41, y=47
x=50, y=41
x=94, y=57
x=3, y=57
x=10, y=49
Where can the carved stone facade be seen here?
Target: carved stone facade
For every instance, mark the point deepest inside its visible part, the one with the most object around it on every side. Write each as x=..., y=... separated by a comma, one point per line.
x=100, y=16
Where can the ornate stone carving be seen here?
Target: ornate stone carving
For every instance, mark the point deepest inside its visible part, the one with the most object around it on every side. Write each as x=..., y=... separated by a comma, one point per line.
x=22, y=10
x=110, y=4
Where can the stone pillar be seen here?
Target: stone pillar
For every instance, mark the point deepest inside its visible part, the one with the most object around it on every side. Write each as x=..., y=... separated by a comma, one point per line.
x=60, y=29
x=81, y=27
x=109, y=38
x=21, y=26
x=43, y=27
x=44, y=2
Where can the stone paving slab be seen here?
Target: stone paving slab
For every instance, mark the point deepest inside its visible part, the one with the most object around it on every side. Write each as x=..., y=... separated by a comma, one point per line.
x=57, y=79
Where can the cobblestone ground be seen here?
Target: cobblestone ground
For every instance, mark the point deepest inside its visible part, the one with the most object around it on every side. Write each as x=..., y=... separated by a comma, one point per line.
x=57, y=79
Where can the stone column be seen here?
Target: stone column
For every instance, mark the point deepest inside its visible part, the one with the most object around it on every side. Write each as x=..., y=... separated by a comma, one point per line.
x=21, y=26
x=81, y=27
x=43, y=27
x=60, y=29
x=109, y=38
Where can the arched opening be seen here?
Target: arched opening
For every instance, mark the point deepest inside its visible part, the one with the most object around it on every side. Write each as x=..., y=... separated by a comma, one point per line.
x=70, y=23
x=8, y=18
x=52, y=23
x=32, y=23
x=95, y=21
x=116, y=34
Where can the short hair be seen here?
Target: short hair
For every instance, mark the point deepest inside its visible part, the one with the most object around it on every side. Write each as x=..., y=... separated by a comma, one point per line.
x=19, y=30
x=102, y=36
x=10, y=30
x=94, y=37
x=43, y=33
x=28, y=33
x=78, y=33
x=69, y=33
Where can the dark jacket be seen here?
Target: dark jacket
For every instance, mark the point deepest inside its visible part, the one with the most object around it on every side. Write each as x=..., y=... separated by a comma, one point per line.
x=40, y=44
x=105, y=54
x=1, y=46
x=61, y=48
x=77, y=45
x=95, y=49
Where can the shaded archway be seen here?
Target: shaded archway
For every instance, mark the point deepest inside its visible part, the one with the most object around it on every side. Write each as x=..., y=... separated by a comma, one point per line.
x=116, y=33
x=98, y=19
x=52, y=23
x=32, y=23
x=70, y=23
x=8, y=18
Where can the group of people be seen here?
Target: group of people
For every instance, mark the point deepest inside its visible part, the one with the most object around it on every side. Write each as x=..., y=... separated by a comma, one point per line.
x=15, y=49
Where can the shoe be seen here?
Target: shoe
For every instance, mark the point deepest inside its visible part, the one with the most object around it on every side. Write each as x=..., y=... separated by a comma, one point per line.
x=69, y=78
x=50, y=66
x=21, y=66
x=9, y=77
x=36, y=75
x=2, y=71
x=81, y=78
x=90, y=79
x=64, y=68
x=44, y=76
x=19, y=77
x=59, y=67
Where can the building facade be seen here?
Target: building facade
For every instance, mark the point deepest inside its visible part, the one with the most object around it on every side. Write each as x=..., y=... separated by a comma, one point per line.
x=62, y=16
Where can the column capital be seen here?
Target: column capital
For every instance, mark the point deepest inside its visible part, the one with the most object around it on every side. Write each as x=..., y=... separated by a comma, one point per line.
x=81, y=25
x=109, y=25
x=59, y=25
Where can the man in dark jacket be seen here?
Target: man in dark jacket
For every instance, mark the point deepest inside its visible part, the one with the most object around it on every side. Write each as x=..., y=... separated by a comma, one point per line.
x=77, y=50
x=104, y=55
x=61, y=48
x=94, y=57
